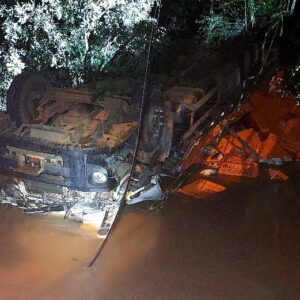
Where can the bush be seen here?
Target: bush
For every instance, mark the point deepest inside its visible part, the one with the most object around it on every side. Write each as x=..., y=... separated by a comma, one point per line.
x=73, y=38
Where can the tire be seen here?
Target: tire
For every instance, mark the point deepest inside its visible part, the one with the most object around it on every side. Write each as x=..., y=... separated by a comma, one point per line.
x=153, y=122
x=24, y=95
x=155, y=131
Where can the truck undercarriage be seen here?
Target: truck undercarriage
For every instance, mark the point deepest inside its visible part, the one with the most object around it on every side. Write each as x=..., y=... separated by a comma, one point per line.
x=69, y=141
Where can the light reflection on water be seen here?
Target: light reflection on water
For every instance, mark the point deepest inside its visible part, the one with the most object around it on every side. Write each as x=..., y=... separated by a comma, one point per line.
x=36, y=251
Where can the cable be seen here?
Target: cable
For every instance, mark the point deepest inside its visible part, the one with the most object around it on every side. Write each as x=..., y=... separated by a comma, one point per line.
x=139, y=131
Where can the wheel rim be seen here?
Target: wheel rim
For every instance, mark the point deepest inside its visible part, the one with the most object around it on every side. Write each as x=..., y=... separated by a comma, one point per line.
x=155, y=124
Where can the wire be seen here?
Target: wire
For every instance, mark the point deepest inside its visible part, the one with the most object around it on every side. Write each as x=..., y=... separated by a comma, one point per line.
x=139, y=131
x=141, y=115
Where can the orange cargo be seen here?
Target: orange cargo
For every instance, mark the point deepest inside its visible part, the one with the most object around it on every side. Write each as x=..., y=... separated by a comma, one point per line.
x=230, y=144
x=200, y=188
x=259, y=125
x=268, y=145
x=292, y=147
x=277, y=175
x=237, y=169
x=274, y=133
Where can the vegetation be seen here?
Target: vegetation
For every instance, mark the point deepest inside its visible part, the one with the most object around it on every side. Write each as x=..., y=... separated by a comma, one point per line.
x=77, y=38
x=231, y=18
x=79, y=41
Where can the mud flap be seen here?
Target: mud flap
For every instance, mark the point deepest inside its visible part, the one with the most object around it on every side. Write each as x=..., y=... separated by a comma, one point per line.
x=154, y=193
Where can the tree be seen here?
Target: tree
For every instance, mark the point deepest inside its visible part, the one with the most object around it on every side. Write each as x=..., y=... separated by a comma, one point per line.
x=79, y=38
x=232, y=18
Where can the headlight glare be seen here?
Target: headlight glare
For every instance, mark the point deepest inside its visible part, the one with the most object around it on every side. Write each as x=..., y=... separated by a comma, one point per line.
x=99, y=177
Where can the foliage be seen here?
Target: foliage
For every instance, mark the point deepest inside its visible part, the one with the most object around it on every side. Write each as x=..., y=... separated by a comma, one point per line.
x=79, y=38
x=231, y=18
x=180, y=16
x=84, y=40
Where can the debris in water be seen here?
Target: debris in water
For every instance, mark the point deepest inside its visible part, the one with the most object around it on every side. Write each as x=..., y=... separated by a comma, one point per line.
x=201, y=187
x=277, y=175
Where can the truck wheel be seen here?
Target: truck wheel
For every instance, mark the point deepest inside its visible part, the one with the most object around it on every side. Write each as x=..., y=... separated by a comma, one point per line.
x=24, y=95
x=155, y=130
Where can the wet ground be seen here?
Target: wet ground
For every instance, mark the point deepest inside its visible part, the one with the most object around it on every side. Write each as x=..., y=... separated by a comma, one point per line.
x=243, y=243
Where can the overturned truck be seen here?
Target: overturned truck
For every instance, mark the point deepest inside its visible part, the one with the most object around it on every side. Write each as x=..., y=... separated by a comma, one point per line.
x=70, y=140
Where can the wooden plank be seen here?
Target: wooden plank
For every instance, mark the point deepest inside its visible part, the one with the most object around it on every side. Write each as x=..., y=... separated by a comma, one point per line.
x=198, y=122
x=194, y=107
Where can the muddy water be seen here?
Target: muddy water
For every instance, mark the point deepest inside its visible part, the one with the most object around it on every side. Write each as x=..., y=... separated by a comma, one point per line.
x=35, y=251
x=243, y=243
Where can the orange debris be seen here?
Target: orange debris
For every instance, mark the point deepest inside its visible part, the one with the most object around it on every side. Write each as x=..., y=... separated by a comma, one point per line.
x=196, y=156
x=215, y=131
x=200, y=188
x=277, y=175
x=243, y=110
x=238, y=169
x=270, y=111
x=230, y=145
x=292, y=128
x=272, y=131
x=292, y=147
x=259, y=125
x=268, y=146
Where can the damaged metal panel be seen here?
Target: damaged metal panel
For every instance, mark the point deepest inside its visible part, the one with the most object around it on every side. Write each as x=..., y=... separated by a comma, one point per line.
x=84, y=139
x=118, y=134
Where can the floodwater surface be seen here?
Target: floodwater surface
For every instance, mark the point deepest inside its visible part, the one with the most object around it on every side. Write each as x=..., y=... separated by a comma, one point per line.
x=37, y=251
x=243, y=243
